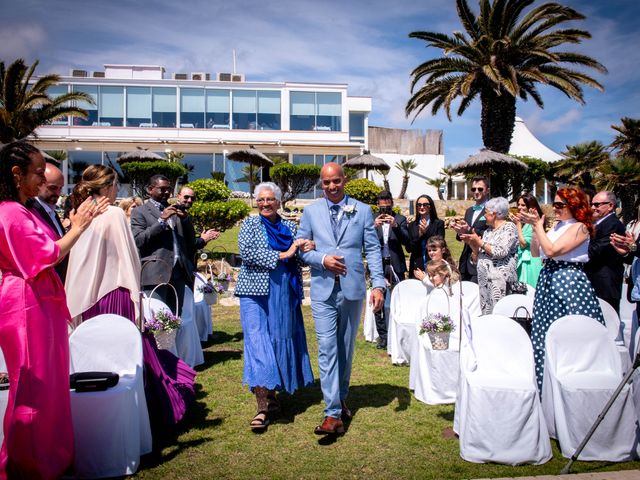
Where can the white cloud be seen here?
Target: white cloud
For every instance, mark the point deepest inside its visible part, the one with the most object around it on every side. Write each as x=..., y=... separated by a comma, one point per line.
x=20, y=41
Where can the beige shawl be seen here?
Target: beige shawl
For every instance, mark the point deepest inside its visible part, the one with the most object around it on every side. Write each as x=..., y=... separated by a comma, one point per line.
x=104, y=258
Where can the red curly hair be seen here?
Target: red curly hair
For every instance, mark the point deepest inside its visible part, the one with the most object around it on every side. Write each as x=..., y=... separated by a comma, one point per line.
x=578, y=204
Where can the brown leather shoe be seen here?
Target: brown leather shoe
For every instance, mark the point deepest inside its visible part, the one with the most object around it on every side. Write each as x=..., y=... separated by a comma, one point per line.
x=330, y=426
x=346, y=413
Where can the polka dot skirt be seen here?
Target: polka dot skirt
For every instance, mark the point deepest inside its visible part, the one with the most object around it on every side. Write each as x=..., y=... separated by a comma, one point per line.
x=563, y=289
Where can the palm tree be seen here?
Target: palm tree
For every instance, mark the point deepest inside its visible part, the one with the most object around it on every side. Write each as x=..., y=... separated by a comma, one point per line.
x=385, y=179
x=25, y=104
x=448, y=173
x=406, y=166
x=437, y=183
x=627, y=141
x=502, y=54
x=581, y=163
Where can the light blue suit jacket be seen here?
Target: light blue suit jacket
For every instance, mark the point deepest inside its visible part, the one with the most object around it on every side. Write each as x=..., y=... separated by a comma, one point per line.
x=356, y=233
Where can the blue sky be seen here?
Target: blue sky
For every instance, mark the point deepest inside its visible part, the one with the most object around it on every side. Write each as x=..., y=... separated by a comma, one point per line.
x=362, y=42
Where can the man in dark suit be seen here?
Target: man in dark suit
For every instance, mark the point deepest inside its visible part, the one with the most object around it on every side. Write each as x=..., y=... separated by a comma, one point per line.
x=186, y=197
x=473, y=220
x=159, y=232
x=45, y=206
x=605, y=268
x=393, y=234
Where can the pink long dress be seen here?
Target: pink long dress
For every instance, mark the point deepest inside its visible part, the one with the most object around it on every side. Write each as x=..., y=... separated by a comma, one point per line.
x=38, y=433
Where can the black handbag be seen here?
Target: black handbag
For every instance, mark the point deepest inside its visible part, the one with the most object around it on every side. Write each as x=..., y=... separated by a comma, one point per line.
x=93, y=381
x=523, y=318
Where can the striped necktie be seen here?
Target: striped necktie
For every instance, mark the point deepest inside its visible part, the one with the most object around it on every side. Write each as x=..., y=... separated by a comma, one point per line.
x=335, y=209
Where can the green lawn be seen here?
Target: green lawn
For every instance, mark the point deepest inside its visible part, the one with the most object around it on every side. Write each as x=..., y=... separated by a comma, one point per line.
x=392, y=435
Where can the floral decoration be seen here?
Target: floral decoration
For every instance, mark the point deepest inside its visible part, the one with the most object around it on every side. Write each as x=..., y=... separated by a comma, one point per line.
x=163, y=321
x=437, y=322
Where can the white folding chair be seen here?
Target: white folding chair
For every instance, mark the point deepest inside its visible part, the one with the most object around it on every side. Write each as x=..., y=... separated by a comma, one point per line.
x=581, y=372
x=612, y=321
x=508, y=304
x=531, y=291
x=202, y=310
x=188, y=339
x=111, y=427
x=369, y=325
x=404, y=313
x=499, y=417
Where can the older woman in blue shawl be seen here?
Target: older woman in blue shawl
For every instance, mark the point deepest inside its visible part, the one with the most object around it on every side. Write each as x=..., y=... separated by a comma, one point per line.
x=270, y=291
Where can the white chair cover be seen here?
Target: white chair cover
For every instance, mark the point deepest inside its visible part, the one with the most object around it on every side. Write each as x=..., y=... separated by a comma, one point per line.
x=433, y=375
x=404, y=313
x=611, y=319
x=188, y=339
x=498, y=412
x=111, y=428
x=508, y=304
x=628, y=320
x=581, y=372
x=369, y=324
x=531, y=291
x=202, y=312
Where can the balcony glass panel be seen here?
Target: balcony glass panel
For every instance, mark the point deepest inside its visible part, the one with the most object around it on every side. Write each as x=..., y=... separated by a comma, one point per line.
x=92, y=110
x=302, y=110
x=244, y=109
x=139, y=107
x=329, y=110
x=356, y=126
x=192, y=107
x=268, y=110
x=111, y=106
x=164, y=107
x=218, y=109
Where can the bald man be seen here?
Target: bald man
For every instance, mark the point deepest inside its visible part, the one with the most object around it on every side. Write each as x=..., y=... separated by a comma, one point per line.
x=341, y=228
x=45, y=206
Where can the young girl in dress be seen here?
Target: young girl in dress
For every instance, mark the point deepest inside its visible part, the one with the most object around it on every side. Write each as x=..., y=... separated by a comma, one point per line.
x=442, y=274
x=437, y=249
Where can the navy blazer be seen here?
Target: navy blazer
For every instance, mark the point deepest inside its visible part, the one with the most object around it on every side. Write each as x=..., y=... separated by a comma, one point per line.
x=605, y=268
x=467, y=268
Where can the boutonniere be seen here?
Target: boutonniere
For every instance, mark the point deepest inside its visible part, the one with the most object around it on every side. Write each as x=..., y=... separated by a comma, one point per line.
x=482, y=219
x=349, y=209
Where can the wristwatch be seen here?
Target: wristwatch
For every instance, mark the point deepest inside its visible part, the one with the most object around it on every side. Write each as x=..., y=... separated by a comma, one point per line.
x=633, y=247
x=382, y=290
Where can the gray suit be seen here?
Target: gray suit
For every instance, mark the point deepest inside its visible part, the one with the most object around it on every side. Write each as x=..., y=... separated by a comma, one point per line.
x=155, y=245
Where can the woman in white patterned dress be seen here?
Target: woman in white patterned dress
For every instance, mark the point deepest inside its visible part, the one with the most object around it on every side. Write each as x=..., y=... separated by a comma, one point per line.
x=495, y=253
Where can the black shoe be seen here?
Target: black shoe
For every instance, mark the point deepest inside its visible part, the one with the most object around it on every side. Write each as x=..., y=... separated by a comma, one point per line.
x=381, y=346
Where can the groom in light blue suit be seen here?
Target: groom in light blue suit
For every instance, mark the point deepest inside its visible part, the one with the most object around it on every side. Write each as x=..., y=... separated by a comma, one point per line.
x=341, y=228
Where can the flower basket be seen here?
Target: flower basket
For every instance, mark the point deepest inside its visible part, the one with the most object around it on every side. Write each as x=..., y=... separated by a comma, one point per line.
x=163, y=323
x=211, y=298
x=166, y=339
x=439, y=340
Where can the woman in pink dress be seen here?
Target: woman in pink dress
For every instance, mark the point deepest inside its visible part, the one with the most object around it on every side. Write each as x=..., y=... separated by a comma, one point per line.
x=38, y=434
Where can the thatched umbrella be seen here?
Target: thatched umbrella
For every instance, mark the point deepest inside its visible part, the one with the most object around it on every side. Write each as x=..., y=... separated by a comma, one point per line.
x=254, y=158
x=495, y=165
x=49, y=159
x=368, y=162
x=139, y=155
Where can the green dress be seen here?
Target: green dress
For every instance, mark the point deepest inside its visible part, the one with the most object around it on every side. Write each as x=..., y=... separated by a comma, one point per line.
x=528, y=267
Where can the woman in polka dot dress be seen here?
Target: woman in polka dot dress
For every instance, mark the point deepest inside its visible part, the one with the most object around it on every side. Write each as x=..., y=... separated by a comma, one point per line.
x=563, y=288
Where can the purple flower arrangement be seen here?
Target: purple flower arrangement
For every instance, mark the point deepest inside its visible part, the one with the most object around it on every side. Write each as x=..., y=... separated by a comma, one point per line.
x=437, y=322
x=206, y=288
x=163, y=321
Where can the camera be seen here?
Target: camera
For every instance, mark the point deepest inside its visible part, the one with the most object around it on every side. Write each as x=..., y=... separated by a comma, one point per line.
x=180, y=207
x=385, y=210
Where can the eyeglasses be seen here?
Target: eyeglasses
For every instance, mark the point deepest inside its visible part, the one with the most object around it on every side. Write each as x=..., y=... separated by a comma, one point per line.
x=423, y=205
x=559, y=205
x=266, y=200
x=477, y=189
x=189, y=197
x=599, y=204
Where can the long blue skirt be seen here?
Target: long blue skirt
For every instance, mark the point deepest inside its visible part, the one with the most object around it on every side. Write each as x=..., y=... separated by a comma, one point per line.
x=563, y=289
x=275, y=344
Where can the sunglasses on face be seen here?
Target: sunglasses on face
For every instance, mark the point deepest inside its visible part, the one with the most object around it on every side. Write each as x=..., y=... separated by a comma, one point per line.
x=423, y=205
x=559, y=205
x=477, y=189
x=189, y=197
x=599, y=204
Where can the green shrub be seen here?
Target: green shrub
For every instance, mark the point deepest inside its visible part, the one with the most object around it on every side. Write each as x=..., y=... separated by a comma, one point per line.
x=221, y=214
x=450, y=212
x=364, y=190
x=294, y=180
x=139, y=173
x=208, y=190
x=219, y=176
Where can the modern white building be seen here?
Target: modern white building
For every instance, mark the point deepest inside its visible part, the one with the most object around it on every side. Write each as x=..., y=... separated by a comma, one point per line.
x=205, y=117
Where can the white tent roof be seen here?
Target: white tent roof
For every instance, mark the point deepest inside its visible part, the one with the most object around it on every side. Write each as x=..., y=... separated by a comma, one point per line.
x=524, y=143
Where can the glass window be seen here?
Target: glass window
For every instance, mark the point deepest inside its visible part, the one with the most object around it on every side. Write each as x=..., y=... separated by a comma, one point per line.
x=218, y=109
x=164, y=107
x=235, y=177
x=192, y=107
x=268, y=110
x=329, y=111
x=298, y=159
x=356, y=126
x=219, y=162
x=302, y=110
x=55, y=91
x=111, y=106
x=110, y=159
x=79, y=160
x=92, y=110
x=139, y=107
x=244, y=109
x=202, y=164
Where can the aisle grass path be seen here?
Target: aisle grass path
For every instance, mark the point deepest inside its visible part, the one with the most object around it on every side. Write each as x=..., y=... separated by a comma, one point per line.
x=392, y=435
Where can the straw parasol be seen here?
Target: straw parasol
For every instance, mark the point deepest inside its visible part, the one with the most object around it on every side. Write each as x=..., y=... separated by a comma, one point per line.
x=49, y=159
x=254, y=158
x=368, y=162
x=139, y=155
